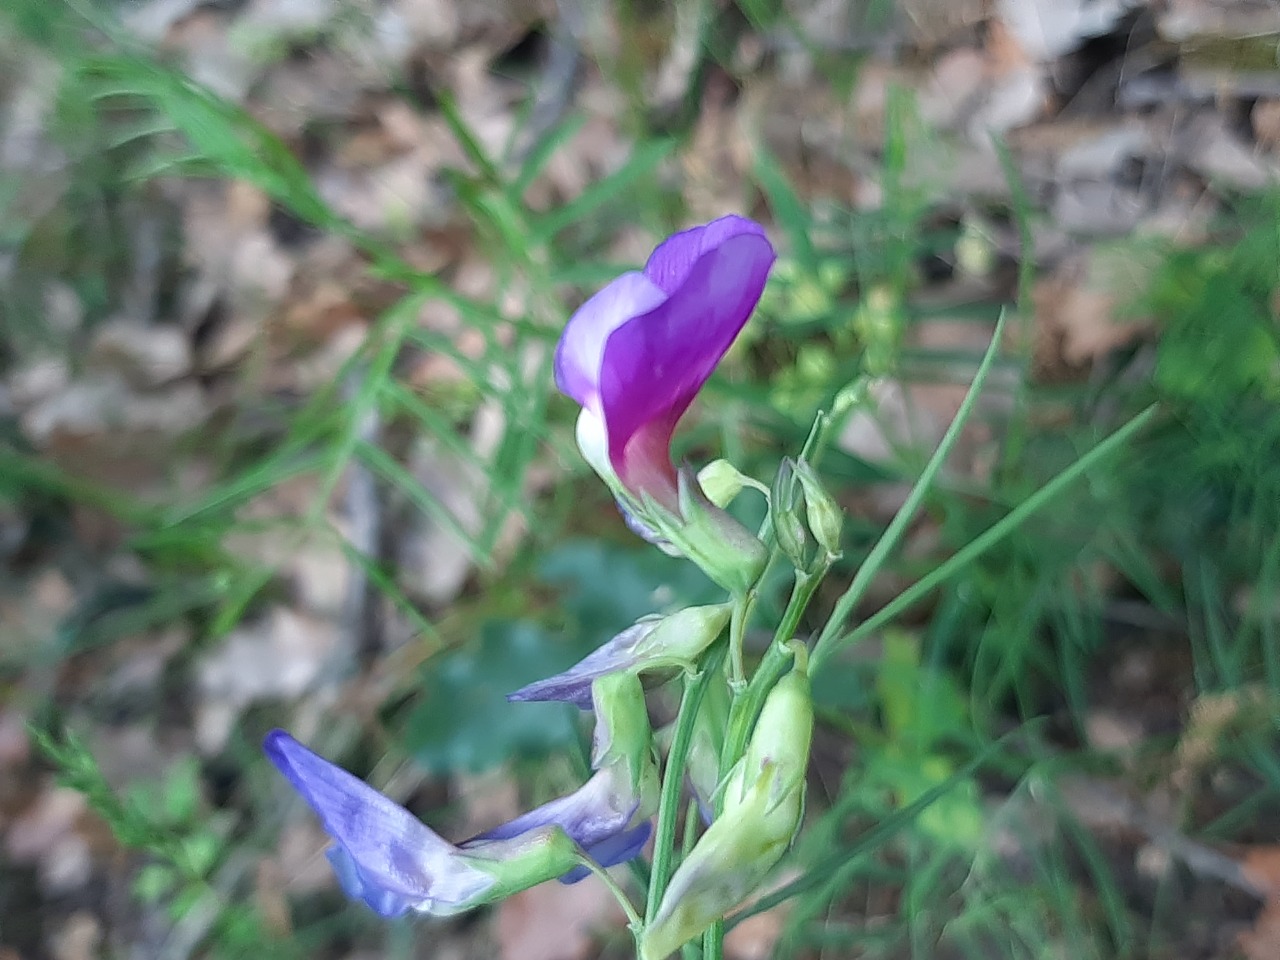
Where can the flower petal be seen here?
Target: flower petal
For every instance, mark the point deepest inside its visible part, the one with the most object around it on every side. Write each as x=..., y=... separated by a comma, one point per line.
x=590, y=815
x=574, y=685
x=384, y=902
x=674, y=258
x=386, y=856
x=654, y=364
x=619, y=848
x=581, y=347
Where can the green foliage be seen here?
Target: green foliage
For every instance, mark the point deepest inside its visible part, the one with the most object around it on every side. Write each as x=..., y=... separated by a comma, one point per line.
x=605, y=587
x=187, y=852
x=923, y=713
x=464, y=722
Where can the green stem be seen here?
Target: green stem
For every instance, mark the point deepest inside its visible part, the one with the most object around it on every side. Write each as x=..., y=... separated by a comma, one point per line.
x=673, y=779
x=893, y=533
x=831, y=642
x=633, y=916
x=747, y=706
x=737, y=637
x=713, y=942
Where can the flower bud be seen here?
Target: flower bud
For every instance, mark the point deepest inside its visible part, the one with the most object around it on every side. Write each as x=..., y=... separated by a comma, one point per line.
x=824, y=516
x=706, y=746
x=624, y=739
x=784, y=514
x=721, y=481
x=763, y=808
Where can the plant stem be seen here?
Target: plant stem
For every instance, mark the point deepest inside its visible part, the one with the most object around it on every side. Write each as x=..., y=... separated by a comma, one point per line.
x=748, y=700
x=982, y=543
x=713, y=942
x=737, y=635
x=673, y=779
x=746, y=707
x=633, y=917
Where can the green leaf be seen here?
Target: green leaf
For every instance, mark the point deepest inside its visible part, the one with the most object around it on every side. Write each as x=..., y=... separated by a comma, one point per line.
x=608, y=587
x=993, y=535
x=464, y=722
x=898, y=525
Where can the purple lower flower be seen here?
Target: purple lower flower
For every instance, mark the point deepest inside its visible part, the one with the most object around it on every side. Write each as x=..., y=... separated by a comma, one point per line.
x=385, y=856
x=589, y=817
x=636, y=354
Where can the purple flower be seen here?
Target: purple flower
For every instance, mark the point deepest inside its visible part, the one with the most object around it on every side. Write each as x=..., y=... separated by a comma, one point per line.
x=392, y=861
x=385, y=856
x=635, y=354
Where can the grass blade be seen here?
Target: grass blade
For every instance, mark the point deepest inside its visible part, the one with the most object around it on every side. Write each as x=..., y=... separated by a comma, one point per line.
x=993, y=535
x=897, y=527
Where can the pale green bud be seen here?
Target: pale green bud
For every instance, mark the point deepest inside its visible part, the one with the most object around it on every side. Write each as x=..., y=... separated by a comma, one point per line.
x=707, y=744
x=623, y=739
x=784, y=514
x=763, y=808
x=726, y=865
x=825, y=517
x=680, y=638
x=784, y=729
x=721, y=481
x=651, y=643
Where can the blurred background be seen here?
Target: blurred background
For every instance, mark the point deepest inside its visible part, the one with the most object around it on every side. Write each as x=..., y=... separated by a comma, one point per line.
x=279, y=285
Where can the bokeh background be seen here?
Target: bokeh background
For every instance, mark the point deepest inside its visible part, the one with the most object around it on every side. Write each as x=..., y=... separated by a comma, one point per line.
x=279, y=286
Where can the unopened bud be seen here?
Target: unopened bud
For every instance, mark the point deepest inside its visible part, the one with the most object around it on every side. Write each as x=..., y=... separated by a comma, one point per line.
x=763, y=807
x=676, y=640
x=825, y=517
x=721, y=481
x=784, y=514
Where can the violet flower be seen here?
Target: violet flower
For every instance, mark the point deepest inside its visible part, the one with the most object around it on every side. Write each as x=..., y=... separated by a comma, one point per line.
x=636, y=354
x=385, y=856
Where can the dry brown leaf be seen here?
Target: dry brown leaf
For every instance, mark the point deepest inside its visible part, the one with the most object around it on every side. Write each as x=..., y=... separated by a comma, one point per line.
x=555, y=921
x=281, y=655
x=1260, y=865
x=78, y=938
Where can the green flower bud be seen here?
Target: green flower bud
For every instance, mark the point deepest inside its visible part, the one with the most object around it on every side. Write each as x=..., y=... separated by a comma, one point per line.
x=784, y=514
x=825, y=517
x=623, y=738
x=721, y=481
x=706, y=746
x=651, y=643
x=763, y=809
